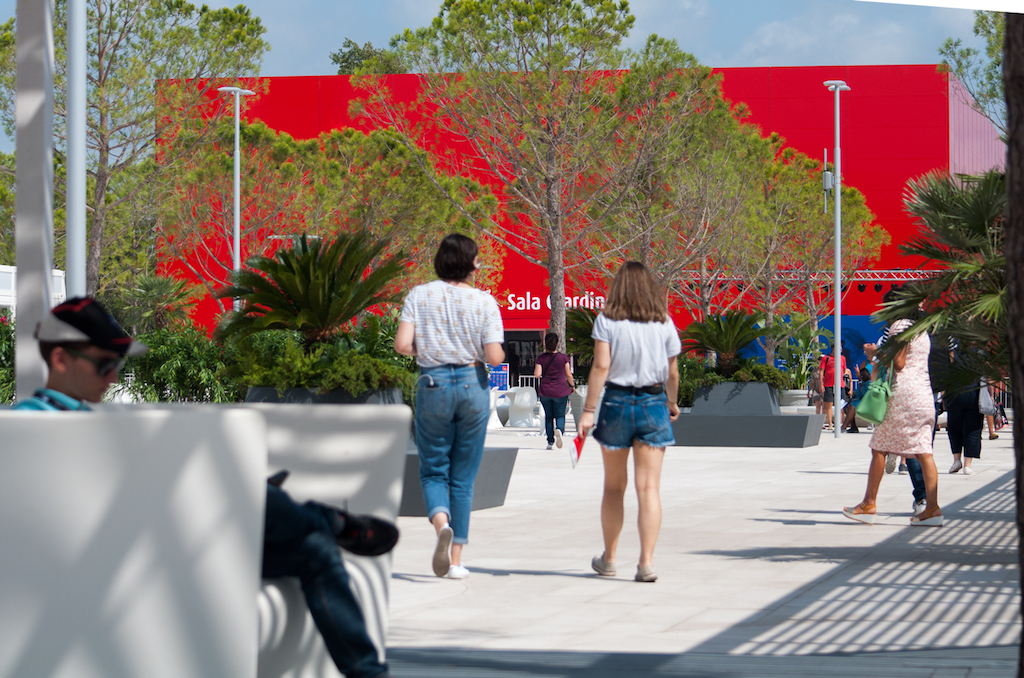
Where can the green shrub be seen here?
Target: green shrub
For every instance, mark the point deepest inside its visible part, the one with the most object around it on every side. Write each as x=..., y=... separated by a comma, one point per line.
x=276, y=359
x=694, y=373
x=6, y=357
x=182, y=365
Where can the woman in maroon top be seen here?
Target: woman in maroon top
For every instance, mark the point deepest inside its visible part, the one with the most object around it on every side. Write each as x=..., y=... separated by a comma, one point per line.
x=553, y=388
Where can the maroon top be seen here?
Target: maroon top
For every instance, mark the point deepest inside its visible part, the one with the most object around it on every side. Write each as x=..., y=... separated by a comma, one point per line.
x=553, y=383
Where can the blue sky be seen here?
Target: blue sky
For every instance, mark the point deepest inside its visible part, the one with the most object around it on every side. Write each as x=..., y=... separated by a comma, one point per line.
x=718, y=32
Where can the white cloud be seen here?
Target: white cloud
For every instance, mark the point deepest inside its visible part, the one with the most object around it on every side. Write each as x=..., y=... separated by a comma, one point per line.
x=824, y=38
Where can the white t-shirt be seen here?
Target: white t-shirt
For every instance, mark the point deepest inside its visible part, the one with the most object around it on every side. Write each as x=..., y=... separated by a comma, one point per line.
x=452, y=323
x=640, y=351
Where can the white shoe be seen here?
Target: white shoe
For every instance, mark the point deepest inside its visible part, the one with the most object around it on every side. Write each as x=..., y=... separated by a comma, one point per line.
x=549, y=447
x=957, y=465
x=968, y=471
x=890, y=463
x=457, y=572
x=558, y=439
x=918, y=506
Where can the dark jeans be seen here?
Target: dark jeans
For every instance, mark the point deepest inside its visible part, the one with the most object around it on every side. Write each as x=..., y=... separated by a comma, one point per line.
x=554, y=415
x=965, y=423
x=298, y=541
x=914, y=467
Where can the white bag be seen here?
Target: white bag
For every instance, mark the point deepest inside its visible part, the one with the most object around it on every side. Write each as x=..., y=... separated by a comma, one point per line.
x=986, y=405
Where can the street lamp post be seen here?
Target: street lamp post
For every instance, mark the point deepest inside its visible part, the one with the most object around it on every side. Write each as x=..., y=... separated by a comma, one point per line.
x=837, y=86
x=236, y=231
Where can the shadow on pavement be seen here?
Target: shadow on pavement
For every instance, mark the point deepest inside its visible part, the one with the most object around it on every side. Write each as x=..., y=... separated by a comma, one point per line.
x=926, y=602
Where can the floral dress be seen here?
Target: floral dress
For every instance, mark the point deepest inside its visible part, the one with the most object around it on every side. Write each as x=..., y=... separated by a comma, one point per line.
x=910, y=417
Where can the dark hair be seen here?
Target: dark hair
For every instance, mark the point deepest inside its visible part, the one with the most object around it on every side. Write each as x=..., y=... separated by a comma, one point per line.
x=46, y=348
x=551, y=342
x=891, y=294
x=635, y=295
x=454, y=258
x=864, y=374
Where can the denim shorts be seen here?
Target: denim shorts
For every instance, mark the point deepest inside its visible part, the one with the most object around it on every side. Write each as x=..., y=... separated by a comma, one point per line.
x=625, y=417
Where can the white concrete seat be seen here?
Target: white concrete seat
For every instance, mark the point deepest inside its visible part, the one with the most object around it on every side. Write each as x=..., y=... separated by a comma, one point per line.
x=521, y=410
x=131, y=542
x=353, y=457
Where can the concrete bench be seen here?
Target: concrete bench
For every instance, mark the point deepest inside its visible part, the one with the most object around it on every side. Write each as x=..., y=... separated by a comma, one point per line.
x=350, y=456
x=131, y=542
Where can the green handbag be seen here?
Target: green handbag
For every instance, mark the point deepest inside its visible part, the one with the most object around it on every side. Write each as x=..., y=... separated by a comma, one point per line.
x=875, y=402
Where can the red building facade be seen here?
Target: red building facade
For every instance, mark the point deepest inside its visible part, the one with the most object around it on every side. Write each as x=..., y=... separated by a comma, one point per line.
x=898, y=122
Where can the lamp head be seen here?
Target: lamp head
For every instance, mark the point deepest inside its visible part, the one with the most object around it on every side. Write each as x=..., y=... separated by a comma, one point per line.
x=235, y=90
x=837, y=84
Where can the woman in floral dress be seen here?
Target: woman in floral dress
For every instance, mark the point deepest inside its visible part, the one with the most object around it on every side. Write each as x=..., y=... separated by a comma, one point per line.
x=906, y=430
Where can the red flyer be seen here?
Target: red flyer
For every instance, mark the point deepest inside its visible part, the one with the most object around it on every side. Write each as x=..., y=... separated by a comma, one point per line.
x=574, y=455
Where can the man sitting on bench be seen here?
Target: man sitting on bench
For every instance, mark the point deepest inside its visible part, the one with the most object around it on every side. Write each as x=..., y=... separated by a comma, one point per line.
x=84, y=348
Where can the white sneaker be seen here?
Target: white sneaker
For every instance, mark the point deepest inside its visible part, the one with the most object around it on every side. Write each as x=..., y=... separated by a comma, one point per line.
x=558, y=439
x=968, y=471
x=957, y=465
x=918, y=507
x=457, y=572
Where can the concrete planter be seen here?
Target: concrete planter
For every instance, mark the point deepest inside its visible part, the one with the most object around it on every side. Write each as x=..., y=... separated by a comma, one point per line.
x=299, y=396
x=489, y=489
x=578, y=399
x=793, y=397
x=743, y=414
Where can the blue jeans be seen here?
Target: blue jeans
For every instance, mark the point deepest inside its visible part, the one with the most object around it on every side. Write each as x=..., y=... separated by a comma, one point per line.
x=298, y=541
x=554, y=415
x=452, y=406
x=625, y=417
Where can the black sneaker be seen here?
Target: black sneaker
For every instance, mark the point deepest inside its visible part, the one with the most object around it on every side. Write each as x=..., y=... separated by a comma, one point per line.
x=364, y=535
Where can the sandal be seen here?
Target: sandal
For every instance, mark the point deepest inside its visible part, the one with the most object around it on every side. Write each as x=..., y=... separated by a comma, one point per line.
x=925, y=519
x=862, y=513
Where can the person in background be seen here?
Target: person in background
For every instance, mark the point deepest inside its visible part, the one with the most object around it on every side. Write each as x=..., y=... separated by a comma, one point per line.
x=964, y=422
x=554, y=386
x=814, y=390
x=452, y=329
x=828, y=375
x=907, y=429
x=84, y=349
x=635, y=349
x=850, y=411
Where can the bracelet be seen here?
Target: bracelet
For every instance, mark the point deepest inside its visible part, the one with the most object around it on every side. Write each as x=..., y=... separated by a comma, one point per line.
x=588, y=409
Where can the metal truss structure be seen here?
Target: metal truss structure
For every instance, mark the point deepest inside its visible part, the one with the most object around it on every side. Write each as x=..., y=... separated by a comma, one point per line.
x=801, y=277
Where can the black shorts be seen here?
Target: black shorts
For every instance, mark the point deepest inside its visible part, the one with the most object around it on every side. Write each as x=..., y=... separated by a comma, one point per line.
x=829, y=395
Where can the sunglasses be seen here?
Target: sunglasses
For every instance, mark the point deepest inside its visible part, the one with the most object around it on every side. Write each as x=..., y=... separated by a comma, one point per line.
x=104, y=366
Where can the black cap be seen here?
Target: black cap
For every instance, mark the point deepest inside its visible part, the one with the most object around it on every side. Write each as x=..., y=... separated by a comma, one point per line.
x=83, y=319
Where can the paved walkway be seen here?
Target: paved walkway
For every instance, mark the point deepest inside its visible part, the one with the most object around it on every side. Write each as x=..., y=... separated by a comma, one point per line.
x=760, y=574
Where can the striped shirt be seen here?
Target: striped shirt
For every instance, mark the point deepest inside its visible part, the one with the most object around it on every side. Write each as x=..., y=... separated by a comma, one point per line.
x=452, y=323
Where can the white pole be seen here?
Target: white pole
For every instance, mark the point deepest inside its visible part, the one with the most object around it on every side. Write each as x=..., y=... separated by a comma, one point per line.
x=76, y=116
x=33, y=185
x=837, y=86
x=236, y=227
x=236, y=231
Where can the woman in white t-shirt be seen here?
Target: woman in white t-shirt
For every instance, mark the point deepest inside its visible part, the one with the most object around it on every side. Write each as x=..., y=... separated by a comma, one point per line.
x=452, y=329
x=635, y=349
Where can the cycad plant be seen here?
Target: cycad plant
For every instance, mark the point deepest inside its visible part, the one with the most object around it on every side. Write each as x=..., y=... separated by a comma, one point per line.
x=156, y=303
x=312, y=288
x=801, y=350
x=579, y=325
x=961, y=221
x=725, y=336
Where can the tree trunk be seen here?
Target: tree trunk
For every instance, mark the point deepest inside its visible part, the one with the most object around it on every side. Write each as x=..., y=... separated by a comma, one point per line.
x=1013, y=81
x=556, y=282
x=99, y=221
